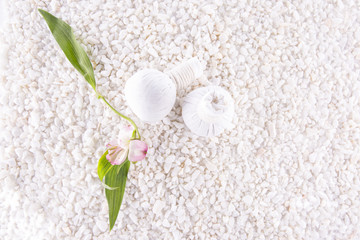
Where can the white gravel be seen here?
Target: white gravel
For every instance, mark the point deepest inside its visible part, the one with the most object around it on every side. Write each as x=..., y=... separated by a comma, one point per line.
x=288, y=170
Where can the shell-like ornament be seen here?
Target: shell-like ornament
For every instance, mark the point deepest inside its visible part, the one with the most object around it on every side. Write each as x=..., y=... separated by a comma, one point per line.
x=151, y=94
x=207, y=111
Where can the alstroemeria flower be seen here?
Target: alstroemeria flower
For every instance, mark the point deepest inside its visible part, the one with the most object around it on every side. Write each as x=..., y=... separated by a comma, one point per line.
x=124, y=147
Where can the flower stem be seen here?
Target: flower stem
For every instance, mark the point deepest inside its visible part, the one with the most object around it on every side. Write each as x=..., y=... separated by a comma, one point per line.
x=121, y=115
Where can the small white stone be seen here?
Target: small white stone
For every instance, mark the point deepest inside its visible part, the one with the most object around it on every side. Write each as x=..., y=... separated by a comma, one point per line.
x=271, y=129
x=223, y=38
x=195, y=174
x=210, y=165
x=35, y=118
x=266, y=69
x=258, y=106
x=152, y=52
x=185, y=150
x=313, y=157
x=133, y=218
x=168, y=163
x=158, y=206
x=67, y=230
x=10, y=182
x=189, y=186
x=212, y=199
x=247, y=199
x=193, y=31
x=102, y=225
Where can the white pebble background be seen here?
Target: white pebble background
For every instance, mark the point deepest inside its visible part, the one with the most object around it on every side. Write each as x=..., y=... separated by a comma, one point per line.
x=289, y=169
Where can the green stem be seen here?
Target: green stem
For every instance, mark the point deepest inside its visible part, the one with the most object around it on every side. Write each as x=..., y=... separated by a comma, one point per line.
x=121, y=115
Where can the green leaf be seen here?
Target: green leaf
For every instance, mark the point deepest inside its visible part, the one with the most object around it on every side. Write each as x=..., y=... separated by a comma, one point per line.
x=115, y=197
x=64, y=36
x=103, y=166
x=107, y=186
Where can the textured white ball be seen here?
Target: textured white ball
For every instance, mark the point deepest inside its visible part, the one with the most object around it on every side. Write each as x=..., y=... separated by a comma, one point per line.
x=207, y=111
x=150, y=94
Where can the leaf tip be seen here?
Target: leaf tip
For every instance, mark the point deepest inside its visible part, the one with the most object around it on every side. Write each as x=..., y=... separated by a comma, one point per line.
x=42, y=12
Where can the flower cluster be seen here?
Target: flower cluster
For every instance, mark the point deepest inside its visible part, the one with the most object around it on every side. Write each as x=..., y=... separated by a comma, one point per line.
x=126, y=147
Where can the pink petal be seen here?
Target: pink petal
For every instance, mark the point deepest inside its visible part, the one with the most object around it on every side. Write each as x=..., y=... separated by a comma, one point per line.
x=113, y=151
x=117, y=156
x=121, y=157
x=112, y=144
x=125, y=135
x=137, y=150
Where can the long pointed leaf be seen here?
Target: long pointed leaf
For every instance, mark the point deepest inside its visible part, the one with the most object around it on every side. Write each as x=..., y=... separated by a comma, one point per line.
x=115, y=197
x=64, y=36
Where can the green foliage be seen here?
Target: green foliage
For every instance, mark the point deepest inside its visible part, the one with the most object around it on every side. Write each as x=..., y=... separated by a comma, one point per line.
x=64, y=36
x=114, y=197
